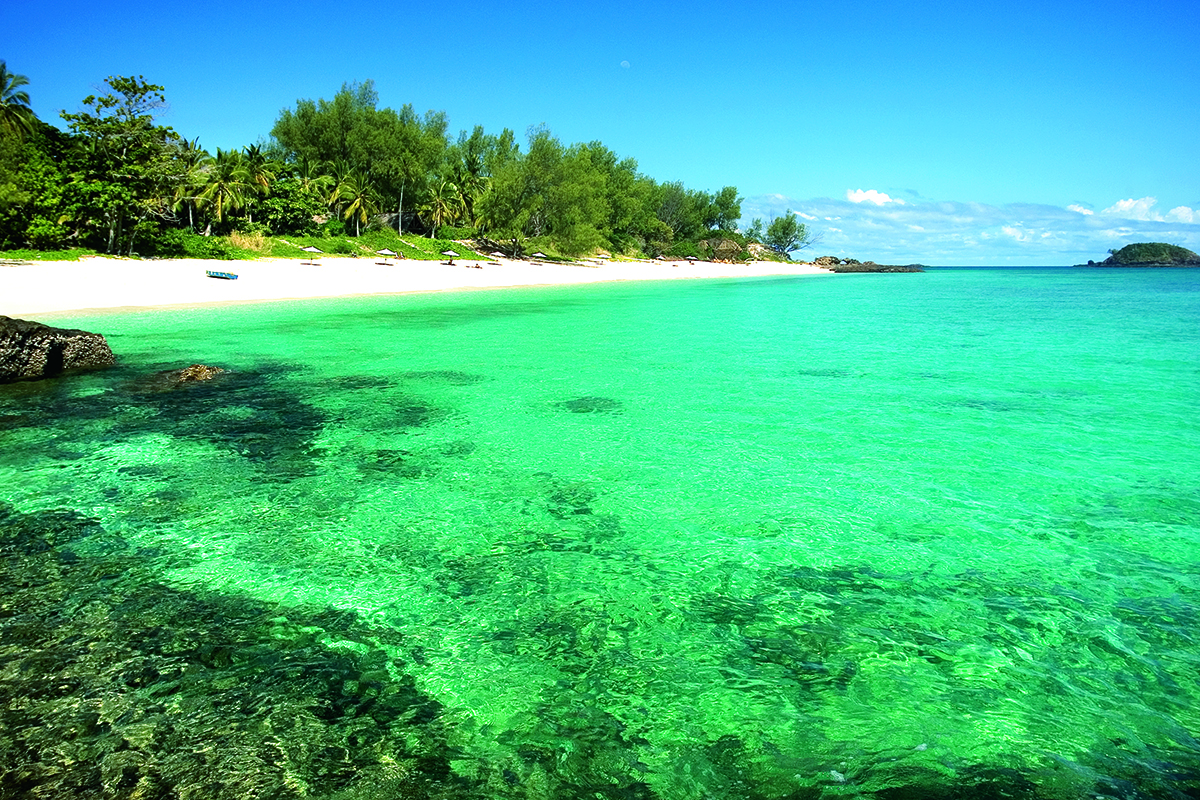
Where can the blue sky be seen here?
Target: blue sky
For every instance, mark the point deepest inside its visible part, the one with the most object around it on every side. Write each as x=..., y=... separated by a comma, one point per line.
x=941, y=132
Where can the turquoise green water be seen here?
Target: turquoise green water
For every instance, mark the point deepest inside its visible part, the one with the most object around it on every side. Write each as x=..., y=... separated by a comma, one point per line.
x=888, y=535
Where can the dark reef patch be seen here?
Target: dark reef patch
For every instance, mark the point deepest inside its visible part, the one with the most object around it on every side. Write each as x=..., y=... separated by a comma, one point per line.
x=821, y=372
x=253, y=413
x=113, y=685
x=591, y=404
x=415, y=464
x=447, y=376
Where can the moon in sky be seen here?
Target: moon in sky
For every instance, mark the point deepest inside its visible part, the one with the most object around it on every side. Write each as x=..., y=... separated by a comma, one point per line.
x=624, y=65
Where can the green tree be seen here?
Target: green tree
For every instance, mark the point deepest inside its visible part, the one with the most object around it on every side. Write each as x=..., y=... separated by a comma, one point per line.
x=727, y=209
x=228, y=184
x=400, y=152
x=16, y=117
x=32, y=188
x=508, y=204
x=688, y=213
x=293, y=206
x=128, y=167
x=467, y=166
x=755, y=233
x=195, y=162
x=443, y=206
x=357, y=198
x=786, y=234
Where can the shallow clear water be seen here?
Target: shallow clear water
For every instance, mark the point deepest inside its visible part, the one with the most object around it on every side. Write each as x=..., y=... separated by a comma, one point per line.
x=758, y=538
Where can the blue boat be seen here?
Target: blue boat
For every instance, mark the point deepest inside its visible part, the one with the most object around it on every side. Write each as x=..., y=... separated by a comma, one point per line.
x=225, y=276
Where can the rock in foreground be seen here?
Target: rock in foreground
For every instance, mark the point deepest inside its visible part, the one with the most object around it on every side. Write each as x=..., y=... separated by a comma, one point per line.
x=172, y=379
x=30, y=351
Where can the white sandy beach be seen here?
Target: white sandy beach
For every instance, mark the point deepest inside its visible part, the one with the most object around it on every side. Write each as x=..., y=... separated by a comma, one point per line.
x=48, y=288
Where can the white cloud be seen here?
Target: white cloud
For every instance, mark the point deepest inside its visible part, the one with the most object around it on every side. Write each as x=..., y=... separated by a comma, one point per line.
x=1134, y=209
x=806, y=216
x=954, y=232
x=1143, y=210
x=871, y=196
x=1016, y=233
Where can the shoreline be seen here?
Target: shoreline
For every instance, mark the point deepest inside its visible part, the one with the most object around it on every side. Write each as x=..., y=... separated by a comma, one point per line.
x=96, y=285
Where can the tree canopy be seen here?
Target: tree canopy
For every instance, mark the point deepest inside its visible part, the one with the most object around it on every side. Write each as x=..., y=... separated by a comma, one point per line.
x=15, y=114
x=786, y=234
x=119, y=182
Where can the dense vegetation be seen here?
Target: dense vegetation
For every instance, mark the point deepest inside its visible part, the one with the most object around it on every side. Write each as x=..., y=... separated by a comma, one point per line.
x=1157, y=253
x=116, y=182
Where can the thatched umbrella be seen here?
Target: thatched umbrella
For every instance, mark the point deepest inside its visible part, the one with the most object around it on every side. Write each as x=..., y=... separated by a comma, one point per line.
x=727, y=250
x=453, y=255
x=310, y=249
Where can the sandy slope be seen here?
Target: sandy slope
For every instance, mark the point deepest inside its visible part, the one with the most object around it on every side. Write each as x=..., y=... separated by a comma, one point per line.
x=48, y=287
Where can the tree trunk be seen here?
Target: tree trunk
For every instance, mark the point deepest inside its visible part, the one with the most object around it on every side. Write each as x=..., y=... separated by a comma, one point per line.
x=400, y=211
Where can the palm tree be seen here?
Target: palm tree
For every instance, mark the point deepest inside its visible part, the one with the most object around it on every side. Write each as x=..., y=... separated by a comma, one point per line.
x=227, y=184
x=262, y=171
x=471, y=182
x=443, y=205
x=15, y=114
x=311, y=178
x=355, y=195
x=196, y=163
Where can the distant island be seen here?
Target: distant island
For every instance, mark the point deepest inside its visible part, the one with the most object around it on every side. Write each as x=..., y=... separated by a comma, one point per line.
x=835, y=264
x=1148, y=254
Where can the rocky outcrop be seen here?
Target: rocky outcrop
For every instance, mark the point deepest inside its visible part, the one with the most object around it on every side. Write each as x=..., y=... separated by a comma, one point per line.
x=172, y=379
x=30, y=351
x=835, y=264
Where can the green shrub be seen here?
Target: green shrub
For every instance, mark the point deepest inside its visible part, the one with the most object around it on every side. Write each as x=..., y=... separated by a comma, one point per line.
x=450, y=232
x=332, y=228
x=246, y=226
x=43, y=234
x=340, y=247
x=73, y=254
x=176, y=243
x=685, y=249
